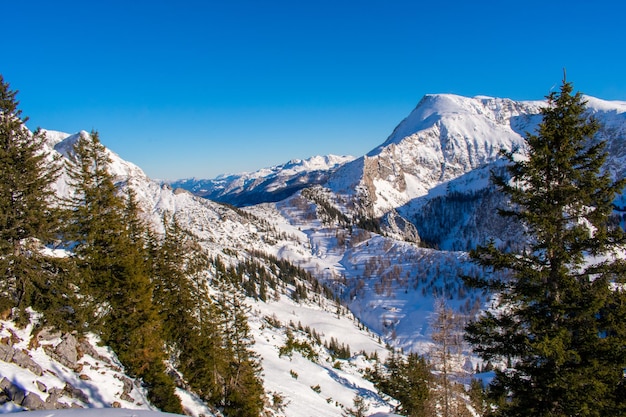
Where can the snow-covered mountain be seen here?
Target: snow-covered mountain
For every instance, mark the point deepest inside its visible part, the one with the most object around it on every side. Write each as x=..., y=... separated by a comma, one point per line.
x=444, y=137
x=434, y=168
x=295, y=385
x=265, y=185
x=367, y=228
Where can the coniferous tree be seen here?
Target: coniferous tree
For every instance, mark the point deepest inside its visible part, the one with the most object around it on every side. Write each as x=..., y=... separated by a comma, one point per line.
x=27, y=216
x=94, y=214
x=190, y=319
x=559, y=329
x=243, y=388
x=111, y=252
x=173, y=287
x=358, y=410
x=408, y=380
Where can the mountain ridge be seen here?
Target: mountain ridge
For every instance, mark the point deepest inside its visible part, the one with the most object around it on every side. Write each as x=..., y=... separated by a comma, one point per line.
x=389, y=282
x=442, y=138
x=266, y=184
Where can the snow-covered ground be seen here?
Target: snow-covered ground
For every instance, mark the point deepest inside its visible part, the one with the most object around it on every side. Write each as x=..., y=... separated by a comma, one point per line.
x=389, y=285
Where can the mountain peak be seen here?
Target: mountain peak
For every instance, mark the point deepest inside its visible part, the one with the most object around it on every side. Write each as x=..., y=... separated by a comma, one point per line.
x=433, y=108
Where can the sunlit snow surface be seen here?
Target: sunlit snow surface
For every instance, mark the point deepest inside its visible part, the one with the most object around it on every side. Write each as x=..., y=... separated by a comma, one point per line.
x=448, y=142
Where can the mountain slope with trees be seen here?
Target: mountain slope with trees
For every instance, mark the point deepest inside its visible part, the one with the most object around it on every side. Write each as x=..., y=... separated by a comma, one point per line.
x=281, y=308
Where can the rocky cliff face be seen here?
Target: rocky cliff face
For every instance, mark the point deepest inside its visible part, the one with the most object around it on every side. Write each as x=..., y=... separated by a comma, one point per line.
x=445, y=137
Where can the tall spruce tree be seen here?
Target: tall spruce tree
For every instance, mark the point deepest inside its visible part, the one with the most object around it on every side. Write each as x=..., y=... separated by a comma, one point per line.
x=243, y=388
x=94, y=214
x=112, y=254
x=190, y=319
x=27, y=217
x=559, y=326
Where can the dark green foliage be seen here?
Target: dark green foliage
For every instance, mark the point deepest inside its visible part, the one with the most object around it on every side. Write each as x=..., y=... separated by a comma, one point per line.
x=561, y=326
x=408, y=380
x=326, y=211
x=190, y=320
x=301, y=346
x=146, y=297
x=478, y=397
x=209, y=339
x=56, y=295
x=111, y=254
x=369, y=223
x=243, y=388
x=27, y=219
x=94, y=216
x=337, y=350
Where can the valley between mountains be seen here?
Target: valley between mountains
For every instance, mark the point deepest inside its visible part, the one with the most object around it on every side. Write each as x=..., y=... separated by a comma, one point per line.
x=383, y=237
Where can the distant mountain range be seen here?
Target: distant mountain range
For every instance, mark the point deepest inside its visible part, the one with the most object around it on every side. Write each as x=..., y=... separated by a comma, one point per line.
x=266, y=185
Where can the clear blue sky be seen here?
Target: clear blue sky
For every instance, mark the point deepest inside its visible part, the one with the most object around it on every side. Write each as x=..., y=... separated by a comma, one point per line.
x=198, y=88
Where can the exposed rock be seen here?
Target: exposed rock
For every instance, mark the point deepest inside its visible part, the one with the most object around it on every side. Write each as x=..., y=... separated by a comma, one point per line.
x=6, y=351
x=15, y=393
x=127, y=397
x=86, y=348
x=41, y=386
x=34, y=402
x=128, y=383
x=116, y=404
x=52, y=402
x=400, y=228
x=84, y=377
x=19, y=357
x=22, y=359
x=75, y=393
x=66, y=352
x=47, y=334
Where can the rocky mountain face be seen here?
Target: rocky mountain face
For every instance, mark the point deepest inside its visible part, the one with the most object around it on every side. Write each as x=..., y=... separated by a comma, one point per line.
x=45, y=370
x=434, y=168
x=429, y=181
x=445, y=137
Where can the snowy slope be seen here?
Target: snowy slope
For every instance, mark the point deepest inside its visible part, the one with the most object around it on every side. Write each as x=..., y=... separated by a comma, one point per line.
x=60, y=371
x=443, y=150
x=434, y=170
x=234, y=236
x=389, y=285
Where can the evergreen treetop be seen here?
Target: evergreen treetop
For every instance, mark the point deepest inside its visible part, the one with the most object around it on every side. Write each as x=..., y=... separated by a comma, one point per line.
x=27, y=216
x=554, y=326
